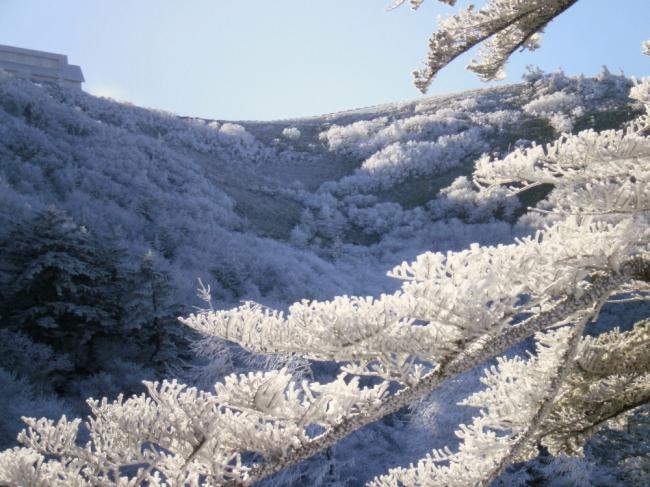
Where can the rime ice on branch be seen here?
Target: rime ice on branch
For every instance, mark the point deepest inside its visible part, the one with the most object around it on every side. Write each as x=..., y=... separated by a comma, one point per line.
x=501, y=27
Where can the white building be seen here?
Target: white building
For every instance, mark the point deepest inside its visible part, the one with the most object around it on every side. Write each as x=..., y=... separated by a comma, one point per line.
x=40, y=66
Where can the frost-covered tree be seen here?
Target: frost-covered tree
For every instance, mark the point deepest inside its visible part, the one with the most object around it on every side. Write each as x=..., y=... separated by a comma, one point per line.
x=147, y=308
x=58, y=285
x=454, y=312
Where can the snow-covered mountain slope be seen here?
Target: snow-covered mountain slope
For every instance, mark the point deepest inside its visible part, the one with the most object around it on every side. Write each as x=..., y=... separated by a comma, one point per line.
x=281, y=210
x=269, y=211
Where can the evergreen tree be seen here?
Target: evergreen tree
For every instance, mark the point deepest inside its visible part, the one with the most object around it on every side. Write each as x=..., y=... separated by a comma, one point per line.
x=58, y=286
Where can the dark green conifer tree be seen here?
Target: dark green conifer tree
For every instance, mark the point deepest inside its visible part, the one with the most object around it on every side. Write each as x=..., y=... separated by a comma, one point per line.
x=59, y=286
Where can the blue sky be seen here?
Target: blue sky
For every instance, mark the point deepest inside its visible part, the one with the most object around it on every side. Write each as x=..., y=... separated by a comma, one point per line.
x=262, y=59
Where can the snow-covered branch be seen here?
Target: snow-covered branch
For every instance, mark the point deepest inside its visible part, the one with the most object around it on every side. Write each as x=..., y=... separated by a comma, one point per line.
x=592, y=173
x=518, y=397
x=475, y=354
x=500, y=27
x=550, y=398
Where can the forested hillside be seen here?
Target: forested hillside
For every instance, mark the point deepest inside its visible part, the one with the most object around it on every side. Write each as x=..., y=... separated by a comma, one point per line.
x=110, y=214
